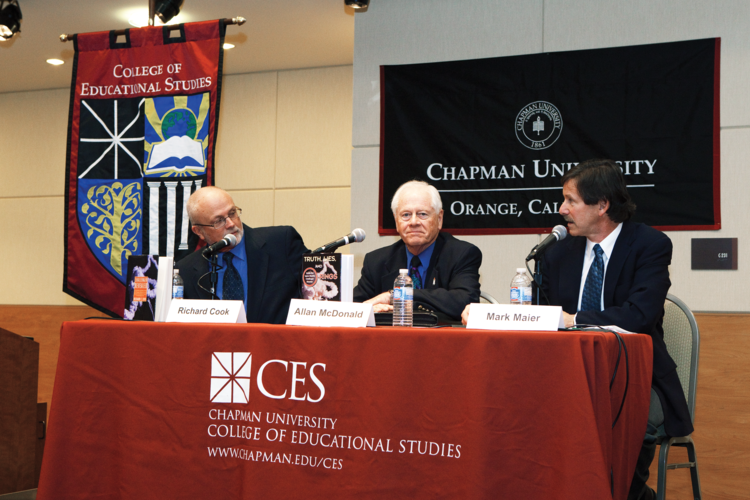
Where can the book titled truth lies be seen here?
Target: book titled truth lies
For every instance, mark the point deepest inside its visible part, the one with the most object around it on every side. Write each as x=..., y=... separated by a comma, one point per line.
x=328, y=276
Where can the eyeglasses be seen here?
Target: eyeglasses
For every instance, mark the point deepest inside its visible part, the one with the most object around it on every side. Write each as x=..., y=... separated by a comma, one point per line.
x=406, y=216
x=220, y=222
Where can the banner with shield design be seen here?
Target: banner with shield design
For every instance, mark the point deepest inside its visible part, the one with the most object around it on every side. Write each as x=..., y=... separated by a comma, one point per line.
x=142, y=126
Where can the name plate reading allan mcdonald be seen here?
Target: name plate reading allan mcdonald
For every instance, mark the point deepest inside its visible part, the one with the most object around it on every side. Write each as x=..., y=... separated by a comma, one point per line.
x=324, y=313
x=511, y=317
x=206, y=311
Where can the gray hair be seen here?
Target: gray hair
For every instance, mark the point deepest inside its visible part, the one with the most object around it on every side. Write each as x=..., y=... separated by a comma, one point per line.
x=437, y=203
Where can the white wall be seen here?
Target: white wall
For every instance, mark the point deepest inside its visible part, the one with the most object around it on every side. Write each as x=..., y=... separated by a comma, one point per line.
x=398, y=32
x=283, y=152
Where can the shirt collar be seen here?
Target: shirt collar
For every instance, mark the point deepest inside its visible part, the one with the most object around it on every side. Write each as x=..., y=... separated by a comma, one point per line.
x=607, y=244
x=424, y=257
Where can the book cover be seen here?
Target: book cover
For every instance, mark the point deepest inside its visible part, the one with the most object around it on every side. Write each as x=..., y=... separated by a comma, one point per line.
x=321, y=276
x=140, y=293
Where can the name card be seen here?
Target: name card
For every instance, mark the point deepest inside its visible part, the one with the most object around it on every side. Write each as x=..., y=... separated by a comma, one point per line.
x=325, y=313
x=206, y=311
x=512, y=317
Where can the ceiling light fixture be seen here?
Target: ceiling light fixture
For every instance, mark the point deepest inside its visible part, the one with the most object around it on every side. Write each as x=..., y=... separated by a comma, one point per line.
x=357, y=4
x=167, y=9
x=10, y=19
x=55, y=62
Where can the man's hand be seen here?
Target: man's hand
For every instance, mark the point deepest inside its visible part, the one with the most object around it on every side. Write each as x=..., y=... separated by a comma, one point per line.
x=381, y=303
x=569, y=319
x=465, y=314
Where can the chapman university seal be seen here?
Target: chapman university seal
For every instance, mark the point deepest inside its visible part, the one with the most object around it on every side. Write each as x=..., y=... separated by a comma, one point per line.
x=538, y=125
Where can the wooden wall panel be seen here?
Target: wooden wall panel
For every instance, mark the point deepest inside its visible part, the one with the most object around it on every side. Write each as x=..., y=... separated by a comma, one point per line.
x=722, y=413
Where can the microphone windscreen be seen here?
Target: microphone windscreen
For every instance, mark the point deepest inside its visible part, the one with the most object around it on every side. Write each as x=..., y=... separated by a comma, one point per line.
x=231, y=240
x=560, y=231
x=359, y=235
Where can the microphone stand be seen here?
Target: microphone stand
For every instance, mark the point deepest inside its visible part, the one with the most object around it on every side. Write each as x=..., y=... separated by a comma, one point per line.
x=538, y=279
x=214, y=275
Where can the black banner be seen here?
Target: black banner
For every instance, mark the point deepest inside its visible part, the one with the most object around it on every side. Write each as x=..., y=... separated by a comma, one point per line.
x=494, y=136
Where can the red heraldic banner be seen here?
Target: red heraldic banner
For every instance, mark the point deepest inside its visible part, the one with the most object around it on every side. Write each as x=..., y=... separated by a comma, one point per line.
x=144, y=110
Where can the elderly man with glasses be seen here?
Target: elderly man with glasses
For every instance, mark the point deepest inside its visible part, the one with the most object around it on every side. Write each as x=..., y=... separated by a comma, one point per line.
x=445, y=271
x=262, y=269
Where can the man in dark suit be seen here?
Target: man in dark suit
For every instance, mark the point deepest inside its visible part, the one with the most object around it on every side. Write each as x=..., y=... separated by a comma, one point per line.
x=613, y=271
x=444, y=270
x=262, y=269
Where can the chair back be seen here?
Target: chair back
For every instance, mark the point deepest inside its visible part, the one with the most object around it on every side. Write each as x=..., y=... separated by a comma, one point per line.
x=487, y=297
x=683, y=344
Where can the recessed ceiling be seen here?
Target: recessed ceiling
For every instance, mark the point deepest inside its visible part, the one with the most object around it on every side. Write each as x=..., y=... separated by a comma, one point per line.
x=278, y=34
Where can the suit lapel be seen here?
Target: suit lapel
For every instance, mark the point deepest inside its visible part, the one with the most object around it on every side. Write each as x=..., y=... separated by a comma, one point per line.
x=396, y=261
x=571, y=267
x=431, y=272
x=257, y=270
x=617, y=261
x=199, y=269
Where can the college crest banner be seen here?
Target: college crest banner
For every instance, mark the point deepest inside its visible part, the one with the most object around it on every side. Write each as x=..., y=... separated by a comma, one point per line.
x=495, y=136
x=144, y=110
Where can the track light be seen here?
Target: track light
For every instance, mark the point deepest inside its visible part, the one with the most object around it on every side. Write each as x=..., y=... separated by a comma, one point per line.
x=357, y=4
x=10, y=19
x=167, y=9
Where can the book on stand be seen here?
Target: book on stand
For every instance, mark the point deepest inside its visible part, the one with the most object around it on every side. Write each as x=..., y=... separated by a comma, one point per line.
x=148, y=289
x=328, y=276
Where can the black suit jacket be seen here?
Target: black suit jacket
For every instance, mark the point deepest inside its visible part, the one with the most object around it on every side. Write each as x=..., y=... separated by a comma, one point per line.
x=450, y=283
x=274, y=261
x=635, y=288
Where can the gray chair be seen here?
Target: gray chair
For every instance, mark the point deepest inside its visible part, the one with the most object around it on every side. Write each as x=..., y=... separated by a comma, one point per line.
x=487, y=297
x=683, y=343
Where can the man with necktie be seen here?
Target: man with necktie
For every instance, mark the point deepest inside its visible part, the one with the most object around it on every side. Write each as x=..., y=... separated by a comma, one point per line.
x=262, y=269
x=444, y=270
x=613, y=271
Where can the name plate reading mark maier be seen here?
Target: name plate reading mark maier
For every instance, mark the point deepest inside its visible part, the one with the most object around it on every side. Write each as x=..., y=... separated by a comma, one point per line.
x=323, y=313
x=511, y=317
x=206, y=311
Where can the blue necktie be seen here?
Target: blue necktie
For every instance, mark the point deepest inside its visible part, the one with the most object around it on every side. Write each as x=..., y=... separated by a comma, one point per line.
x=592, y=290
x=416, y=279
x=232, y=288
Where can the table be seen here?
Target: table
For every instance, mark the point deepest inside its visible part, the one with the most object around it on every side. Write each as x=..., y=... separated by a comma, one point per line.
x=341, y=413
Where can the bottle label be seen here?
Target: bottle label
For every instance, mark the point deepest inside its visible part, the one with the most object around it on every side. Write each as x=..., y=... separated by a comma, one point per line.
x=177, y=292
x=404, y=293
x=526, y=294
x=515, y=295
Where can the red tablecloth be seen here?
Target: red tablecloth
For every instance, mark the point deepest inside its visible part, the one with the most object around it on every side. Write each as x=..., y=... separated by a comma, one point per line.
x=392, y=413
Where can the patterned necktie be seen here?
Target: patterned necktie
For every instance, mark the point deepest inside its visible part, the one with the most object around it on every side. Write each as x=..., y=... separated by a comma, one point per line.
x=592, y=290
x=416, y=279
x=232, y=288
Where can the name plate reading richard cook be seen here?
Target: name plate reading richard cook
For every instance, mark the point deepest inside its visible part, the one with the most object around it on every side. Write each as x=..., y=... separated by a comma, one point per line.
x=206, y=311
x=324, y=313
x=511, y=317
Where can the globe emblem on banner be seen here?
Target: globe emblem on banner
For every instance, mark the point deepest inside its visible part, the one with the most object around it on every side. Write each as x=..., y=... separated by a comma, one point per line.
x=538, y=125
x=177, y=123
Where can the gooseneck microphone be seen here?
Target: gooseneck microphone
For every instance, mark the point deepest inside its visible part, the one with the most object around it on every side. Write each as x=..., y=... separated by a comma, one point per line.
x=229, y=240
x=558, y=233
x=356, y=236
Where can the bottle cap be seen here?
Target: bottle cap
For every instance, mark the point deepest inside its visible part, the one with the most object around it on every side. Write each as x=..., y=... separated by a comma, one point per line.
x=176, y=271
x=403, y=271
x=521, y=270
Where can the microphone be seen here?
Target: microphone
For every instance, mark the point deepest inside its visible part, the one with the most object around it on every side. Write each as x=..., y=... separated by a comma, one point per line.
x=229, y=240
x=358, y=236
x=558, y=233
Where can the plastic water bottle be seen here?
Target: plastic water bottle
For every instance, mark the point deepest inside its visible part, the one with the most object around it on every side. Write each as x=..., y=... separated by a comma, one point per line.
x=520, y=288
x=403, y=299
x=177, y=285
